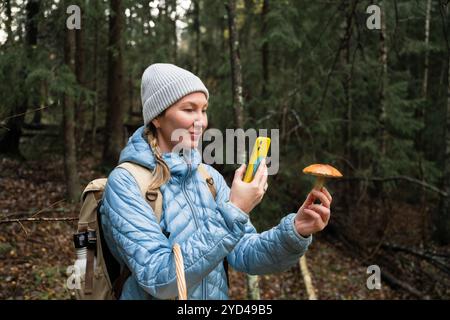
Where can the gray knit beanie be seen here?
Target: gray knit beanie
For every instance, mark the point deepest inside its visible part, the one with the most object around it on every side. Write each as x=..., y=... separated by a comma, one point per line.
x=163, y=84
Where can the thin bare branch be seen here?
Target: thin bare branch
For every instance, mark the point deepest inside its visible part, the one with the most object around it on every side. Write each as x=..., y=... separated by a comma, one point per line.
x=44, y=209
x=405, y=178
x=37, y=220
x=23, y=228
x=23, y=113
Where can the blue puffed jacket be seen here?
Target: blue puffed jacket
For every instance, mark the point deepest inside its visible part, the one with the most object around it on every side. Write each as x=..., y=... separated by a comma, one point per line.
x=207, y=230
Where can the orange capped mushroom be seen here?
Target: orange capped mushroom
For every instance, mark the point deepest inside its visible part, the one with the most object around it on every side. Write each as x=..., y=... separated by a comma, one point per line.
x=322, y=172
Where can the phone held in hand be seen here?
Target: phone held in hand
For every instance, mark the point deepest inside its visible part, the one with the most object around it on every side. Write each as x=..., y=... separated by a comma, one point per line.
x=259, y=152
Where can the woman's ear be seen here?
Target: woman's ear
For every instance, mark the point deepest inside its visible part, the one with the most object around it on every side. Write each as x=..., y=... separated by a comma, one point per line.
x=156, y=123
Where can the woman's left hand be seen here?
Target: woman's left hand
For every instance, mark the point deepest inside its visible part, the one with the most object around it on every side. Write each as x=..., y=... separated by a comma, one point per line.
x=312, y=217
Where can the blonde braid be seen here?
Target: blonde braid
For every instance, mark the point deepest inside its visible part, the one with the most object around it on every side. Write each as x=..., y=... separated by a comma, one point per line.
x=161, y=171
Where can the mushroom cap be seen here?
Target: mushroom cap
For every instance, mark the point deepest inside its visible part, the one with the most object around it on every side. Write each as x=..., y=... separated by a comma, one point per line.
x=322, y=170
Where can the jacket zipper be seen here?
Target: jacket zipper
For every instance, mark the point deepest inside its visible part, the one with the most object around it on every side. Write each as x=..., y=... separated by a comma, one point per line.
x=195, y=218
x=187, y=196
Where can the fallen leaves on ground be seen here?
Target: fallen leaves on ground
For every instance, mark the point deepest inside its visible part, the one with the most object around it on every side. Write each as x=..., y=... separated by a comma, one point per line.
x=34, y=256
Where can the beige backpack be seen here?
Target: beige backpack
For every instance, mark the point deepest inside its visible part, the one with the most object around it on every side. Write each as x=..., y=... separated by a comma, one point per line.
x=105, y=280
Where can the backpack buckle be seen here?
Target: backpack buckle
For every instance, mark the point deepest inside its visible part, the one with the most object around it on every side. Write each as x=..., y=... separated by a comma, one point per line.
x=151, y=195
x=80, y=240
x=91, y=238
x=210, y=181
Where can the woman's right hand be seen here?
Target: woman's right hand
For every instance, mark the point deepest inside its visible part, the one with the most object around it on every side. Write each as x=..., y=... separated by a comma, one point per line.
x=247, y=195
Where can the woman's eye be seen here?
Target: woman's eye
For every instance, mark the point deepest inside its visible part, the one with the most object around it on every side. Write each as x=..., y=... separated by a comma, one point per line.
x=192, y=110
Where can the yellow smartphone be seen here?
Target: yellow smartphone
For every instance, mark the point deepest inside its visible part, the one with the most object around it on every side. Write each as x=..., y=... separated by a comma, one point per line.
x=259, y=152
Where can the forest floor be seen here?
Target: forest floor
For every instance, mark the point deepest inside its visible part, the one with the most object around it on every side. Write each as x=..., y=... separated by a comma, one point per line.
x=34, y=256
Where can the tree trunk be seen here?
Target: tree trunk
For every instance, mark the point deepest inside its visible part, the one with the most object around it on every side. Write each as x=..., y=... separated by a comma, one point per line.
x=238, y=102
x=347, y=85
x=383, y=83
x=442, y=222
x=197, y=36
x=32, y=36
x=236, y=69
x=130, y=96
x=9, y=143
x=95, y=82
x=79, y=72
x=420, y=141
x=43, y=95
x=174, y=30
x=37, y=117
x=31, y=26
x=114, y=134
x=70, y=163
x=427, y=41
x=265, y=50
x=8, y=21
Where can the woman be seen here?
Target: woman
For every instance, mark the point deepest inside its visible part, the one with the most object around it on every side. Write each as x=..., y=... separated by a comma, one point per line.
x=207, y=229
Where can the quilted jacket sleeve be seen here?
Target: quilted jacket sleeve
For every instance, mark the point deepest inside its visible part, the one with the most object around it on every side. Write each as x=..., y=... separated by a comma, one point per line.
x=130, y=224
x=271, y=251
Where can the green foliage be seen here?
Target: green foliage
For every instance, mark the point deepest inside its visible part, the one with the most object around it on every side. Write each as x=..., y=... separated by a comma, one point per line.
x=325, y=99
x=11, y=63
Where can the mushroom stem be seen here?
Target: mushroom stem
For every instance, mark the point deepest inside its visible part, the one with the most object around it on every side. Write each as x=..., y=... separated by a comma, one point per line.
x=319, y=183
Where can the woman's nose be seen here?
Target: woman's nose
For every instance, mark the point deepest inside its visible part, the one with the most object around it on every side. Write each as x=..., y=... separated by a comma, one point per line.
x=200, y=122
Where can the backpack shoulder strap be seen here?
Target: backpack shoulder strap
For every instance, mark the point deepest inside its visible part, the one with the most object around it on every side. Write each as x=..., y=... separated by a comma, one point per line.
x=90, y=199
x=97, y=186
x=143, y=178
x=209, y=180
